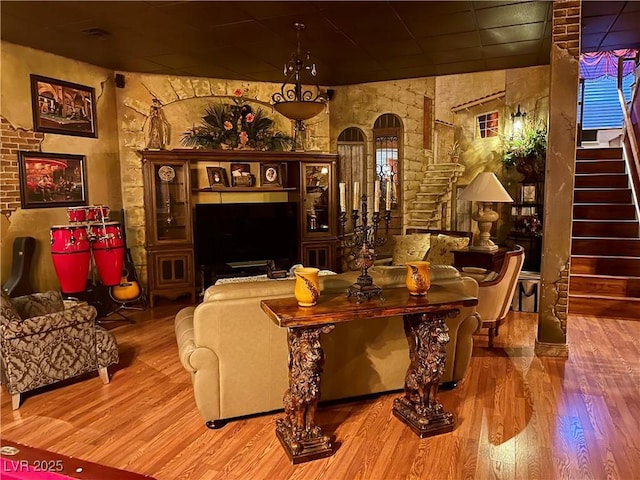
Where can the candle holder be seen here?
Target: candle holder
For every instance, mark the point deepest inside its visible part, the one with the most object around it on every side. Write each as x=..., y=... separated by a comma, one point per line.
x=363, y=244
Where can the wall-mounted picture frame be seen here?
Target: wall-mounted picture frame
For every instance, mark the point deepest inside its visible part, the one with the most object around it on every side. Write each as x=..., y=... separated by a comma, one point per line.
x=51, y=180
x=217, y=177
x=63, y=107
x=528, y=192
x=272, y=174
x=241, y=175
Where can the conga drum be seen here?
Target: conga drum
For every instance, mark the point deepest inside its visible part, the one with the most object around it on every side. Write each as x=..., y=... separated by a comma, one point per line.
x=97, y=213
x=76, y=214
x=71, y=256
x=107, y=246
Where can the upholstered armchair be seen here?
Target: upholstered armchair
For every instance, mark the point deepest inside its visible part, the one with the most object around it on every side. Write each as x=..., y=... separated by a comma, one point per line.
x=42, y=342
x=496, y=290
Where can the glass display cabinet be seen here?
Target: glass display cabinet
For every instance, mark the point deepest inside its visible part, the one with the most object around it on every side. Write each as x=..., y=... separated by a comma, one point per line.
x=318, y=215
x=169, y=237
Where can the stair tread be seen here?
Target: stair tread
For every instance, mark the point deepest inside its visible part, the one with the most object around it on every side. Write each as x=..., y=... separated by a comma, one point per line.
x=613, y=257
x=603, y=297
x=608, y=239
x=611, y=277
x=606, y=220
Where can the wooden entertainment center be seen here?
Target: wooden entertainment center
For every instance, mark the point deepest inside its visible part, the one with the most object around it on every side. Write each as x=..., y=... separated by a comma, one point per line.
x=175, y=181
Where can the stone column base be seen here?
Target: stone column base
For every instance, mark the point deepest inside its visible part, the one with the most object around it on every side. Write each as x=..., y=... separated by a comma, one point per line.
x=543, y=349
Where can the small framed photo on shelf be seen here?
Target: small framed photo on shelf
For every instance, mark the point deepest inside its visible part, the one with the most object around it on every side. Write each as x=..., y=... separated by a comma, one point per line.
x=272, y=174
x=529, y=193
x=241, y=175
x=217, y=177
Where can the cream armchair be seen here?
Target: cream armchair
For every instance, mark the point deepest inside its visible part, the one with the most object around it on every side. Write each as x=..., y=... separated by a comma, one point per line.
x=496, y=291
x=43, y=343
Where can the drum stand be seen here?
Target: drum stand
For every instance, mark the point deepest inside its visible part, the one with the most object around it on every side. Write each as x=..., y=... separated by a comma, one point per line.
x=124, y=305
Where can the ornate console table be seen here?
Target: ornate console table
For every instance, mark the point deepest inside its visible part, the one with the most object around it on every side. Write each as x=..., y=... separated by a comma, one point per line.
x=427, y=334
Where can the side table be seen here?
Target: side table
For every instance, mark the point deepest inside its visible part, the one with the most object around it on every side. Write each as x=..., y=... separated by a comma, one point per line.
x=491, y=261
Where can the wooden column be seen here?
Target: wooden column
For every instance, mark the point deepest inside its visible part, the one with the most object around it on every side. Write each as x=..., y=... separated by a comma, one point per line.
x=559, y=179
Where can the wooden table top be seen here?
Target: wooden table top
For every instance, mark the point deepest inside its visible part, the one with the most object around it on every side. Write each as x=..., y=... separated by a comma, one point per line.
x=337, y=308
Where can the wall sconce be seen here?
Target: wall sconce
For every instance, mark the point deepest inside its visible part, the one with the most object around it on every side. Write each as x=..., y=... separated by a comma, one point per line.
x=293, y=101
x=485, y=189
x=517, y=123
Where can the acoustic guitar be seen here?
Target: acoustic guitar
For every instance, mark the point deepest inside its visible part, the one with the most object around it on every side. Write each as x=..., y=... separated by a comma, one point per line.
x=129, y=289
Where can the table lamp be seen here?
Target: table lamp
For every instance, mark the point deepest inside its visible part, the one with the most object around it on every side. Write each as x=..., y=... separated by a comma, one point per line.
x=485, y=189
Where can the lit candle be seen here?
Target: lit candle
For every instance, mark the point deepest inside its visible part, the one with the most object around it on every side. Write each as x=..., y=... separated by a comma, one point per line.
x=356, y=195
x=376, y=196
x=388, y=203
x=343, y=197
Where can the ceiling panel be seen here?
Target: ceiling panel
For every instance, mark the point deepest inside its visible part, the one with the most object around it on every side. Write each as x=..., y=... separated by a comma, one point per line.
x=520, y=33
x=514, y=14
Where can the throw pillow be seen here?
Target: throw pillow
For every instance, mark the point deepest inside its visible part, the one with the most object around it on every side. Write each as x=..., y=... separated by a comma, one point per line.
x=409, y=248
x=441, y=246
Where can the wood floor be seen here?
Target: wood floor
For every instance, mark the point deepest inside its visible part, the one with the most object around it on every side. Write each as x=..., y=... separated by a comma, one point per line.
x=519, y=416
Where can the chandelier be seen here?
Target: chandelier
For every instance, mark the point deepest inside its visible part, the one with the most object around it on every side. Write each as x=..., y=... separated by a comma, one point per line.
x=294, y=101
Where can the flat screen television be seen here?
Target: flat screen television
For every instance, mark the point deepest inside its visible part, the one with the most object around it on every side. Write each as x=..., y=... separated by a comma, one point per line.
x=245, y=232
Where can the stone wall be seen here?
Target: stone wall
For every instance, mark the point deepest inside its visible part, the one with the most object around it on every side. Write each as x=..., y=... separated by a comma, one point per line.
x=114, y=168
x=360, y=105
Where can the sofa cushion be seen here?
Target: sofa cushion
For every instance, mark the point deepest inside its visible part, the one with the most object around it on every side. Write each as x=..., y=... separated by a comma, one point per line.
x=37, y=304
x=410, y=248
x=441, y=247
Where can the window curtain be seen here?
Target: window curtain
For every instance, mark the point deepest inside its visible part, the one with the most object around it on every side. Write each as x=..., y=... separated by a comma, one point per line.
x=596, y=65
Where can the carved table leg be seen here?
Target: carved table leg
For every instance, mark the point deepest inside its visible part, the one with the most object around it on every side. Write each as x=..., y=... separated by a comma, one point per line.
x=301, y=438
x=419, y=408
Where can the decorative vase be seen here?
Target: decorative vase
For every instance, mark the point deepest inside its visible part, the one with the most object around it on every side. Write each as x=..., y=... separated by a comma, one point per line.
x=307, y=289
x=418, y=281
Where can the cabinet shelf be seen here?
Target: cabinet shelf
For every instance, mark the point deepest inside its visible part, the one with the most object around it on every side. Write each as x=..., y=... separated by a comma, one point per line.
x=244, y=189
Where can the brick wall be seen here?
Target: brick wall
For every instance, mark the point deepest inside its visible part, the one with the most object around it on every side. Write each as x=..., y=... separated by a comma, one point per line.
x=566, y=25
x=11, y=141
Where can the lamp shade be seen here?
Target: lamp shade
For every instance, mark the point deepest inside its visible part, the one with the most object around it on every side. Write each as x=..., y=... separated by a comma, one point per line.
x=486, y=188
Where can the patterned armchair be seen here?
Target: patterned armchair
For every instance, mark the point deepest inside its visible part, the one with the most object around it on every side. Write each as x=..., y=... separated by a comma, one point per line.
x=42, y=342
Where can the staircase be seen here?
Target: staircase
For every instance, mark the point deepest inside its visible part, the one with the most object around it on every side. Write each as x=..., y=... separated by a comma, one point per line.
x=431, y=209
x=605, y=251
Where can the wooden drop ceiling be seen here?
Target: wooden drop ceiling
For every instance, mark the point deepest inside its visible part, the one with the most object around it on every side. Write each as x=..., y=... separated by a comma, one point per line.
x=350, y=41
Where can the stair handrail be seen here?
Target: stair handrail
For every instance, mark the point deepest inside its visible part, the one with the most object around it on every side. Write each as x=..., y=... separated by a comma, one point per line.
x=633, y=157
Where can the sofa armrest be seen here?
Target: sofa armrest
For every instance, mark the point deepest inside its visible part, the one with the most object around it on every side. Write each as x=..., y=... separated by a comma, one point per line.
x=83, y=314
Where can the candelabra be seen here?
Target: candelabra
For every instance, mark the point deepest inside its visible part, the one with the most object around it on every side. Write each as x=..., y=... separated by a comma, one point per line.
x=363, y=244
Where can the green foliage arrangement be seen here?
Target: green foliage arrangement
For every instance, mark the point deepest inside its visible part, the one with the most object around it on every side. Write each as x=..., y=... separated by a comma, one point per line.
x=236, y=126
x=532, y=142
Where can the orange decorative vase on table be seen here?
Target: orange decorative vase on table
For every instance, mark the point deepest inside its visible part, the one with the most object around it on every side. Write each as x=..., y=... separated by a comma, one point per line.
x=418, y=281
x=307, y=289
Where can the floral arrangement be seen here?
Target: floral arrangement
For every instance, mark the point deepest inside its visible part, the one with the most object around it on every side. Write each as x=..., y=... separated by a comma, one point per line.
x=236, y=126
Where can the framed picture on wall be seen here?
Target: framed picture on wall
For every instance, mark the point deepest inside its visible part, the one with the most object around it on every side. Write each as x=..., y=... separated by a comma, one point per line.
x=51, y=180
x=63, y=107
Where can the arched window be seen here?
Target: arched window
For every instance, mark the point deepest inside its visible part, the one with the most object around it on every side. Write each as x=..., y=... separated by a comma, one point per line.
x=387, y=132
x=351, y=149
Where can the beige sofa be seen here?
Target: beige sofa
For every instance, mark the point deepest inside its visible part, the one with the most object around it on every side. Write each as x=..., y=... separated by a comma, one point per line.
x=237, y=357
